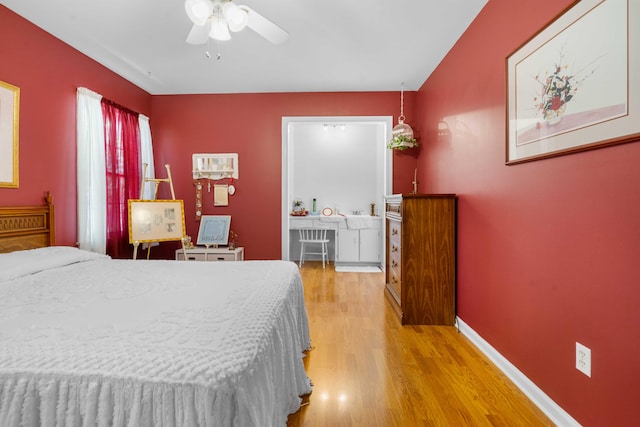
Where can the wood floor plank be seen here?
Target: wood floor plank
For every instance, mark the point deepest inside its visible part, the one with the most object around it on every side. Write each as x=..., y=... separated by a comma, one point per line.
x=369, y=370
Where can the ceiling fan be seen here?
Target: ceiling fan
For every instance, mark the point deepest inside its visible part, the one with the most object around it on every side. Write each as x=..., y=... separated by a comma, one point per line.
x=216, y=18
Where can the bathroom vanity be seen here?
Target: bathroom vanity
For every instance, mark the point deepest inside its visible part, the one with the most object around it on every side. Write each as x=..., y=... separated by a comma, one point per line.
x=354, y=239
x=359, y=240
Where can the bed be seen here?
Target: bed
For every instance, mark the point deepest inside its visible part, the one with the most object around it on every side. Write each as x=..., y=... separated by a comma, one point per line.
x=86, y=340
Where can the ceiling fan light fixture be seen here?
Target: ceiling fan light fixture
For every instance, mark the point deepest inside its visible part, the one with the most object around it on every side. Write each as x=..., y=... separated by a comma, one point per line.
x=198, y=10
x=236, y=17
x=217, y=18
x=219, y=28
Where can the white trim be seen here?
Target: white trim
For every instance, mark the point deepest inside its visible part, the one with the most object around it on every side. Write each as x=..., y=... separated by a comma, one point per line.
x=551, y=409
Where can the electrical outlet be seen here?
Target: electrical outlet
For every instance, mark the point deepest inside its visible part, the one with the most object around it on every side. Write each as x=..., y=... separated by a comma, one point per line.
x=583, y=359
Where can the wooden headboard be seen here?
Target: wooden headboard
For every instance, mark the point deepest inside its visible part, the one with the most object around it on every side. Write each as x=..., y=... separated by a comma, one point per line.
x=27, y=227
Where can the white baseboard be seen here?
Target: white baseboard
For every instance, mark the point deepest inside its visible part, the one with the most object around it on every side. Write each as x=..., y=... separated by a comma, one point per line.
x=551, y=409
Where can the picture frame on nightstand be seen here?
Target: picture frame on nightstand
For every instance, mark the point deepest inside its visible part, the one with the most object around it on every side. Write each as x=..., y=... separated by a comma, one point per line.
x=214, y=230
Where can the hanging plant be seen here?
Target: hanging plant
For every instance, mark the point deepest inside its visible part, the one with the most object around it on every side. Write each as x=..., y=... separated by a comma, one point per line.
x=402, y=142
x=402, y=134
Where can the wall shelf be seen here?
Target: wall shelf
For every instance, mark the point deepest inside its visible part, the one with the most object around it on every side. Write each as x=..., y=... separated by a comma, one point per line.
x=215, y=166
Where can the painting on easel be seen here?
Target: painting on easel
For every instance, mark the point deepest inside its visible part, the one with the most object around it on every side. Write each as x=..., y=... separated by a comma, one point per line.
x=155, y=221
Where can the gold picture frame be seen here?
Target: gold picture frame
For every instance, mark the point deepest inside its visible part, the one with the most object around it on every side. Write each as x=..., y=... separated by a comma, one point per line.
x=9, y=114
x=155, y=221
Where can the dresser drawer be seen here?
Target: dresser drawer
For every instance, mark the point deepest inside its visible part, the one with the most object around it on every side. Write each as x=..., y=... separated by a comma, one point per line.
x=212, y=254
x=394, y=205
x=395, y=230
x=395, y=262
x=395, y=250
x=209, y=257
x=395, y=282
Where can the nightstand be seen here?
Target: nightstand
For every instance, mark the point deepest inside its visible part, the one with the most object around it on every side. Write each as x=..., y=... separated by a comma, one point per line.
x=200, y=253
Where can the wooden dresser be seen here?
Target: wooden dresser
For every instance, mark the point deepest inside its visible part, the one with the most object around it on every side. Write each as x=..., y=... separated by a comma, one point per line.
x=421, y=257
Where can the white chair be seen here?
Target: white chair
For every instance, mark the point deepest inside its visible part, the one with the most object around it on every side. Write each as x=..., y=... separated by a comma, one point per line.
x=314, y=237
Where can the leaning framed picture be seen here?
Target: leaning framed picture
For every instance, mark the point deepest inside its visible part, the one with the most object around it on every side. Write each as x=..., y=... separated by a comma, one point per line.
x=214, y=230
x=575, y=85
x=155, y=220
x=9, y=111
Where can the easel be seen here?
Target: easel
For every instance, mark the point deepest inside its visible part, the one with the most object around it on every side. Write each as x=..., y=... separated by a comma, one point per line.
x=157, y=182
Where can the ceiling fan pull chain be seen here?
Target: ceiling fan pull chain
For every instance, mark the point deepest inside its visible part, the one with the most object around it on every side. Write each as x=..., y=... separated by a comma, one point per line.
x=206, y=52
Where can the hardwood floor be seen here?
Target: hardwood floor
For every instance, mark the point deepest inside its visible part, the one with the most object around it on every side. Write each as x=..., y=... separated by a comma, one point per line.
x=368, y=370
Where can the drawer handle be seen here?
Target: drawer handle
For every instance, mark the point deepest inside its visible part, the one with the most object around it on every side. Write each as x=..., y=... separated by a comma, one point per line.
x=394, y=248
x=394, y=232
x=394, y=280
x=394, y=263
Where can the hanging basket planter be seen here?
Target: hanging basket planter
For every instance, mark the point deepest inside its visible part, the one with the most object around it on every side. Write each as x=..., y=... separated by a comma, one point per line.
x=402, y=134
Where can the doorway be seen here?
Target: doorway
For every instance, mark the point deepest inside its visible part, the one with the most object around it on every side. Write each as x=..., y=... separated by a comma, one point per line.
x=338, y=177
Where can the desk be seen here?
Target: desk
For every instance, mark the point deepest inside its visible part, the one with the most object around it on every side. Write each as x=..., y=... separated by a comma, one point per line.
x=352, y=239
x=200, y=253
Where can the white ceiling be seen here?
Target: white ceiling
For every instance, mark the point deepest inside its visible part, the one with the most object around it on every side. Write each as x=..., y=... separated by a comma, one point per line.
x=333, y=45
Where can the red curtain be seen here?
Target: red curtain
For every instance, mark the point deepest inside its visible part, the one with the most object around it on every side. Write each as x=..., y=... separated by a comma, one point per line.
x=122, y=157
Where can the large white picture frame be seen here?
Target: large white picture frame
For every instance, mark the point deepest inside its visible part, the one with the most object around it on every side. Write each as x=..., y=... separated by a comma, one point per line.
x=575, y=85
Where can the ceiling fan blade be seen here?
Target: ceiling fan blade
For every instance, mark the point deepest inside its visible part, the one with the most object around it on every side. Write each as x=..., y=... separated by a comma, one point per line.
x=264, y=27
x=198, y=34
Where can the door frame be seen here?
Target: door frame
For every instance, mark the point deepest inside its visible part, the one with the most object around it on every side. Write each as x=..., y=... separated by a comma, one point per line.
x=385, y=168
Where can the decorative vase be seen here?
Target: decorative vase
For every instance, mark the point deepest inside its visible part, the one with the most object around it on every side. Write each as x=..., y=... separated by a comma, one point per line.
x=553, y=117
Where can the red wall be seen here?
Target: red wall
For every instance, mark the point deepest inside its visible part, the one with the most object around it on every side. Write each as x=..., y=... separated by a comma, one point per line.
x=48, y=72
x=251, y=125
x=548, y=250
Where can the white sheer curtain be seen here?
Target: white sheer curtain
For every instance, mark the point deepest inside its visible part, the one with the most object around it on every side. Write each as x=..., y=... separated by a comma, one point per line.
x=92, y=187
x=91, y=179
x=146, y=155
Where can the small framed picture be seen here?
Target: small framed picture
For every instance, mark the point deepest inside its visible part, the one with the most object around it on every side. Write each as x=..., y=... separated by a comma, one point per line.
x=214, y=230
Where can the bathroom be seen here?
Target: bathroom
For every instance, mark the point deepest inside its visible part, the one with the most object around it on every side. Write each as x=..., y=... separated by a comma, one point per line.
x=342, y=163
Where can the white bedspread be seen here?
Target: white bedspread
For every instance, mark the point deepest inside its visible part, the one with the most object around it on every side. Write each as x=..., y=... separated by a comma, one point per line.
x=93, y=341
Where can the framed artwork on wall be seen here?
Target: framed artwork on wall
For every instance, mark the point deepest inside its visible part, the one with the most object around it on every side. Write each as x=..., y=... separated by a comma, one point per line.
x=575, y=85
x=214, y=230
x=156, y=220
x=9, y=112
